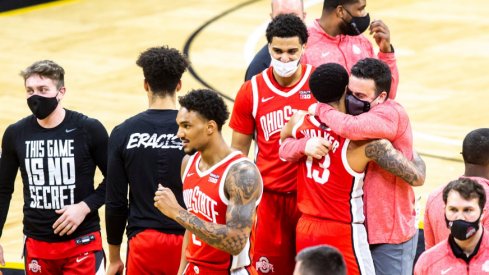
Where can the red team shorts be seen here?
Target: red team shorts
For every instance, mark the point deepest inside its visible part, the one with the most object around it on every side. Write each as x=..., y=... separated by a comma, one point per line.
x=277, y=217
x=82, y=255
x=154, y=252
x=349, y=239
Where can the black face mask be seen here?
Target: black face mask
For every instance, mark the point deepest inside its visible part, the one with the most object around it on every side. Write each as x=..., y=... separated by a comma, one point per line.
x=462, y=230
x=42, y=106
x=355, y=106
x=357, y=25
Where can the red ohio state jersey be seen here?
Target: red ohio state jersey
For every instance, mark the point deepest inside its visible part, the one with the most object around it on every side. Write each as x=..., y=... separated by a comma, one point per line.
x=262, y=108
x=204, y=196
x=328, y=188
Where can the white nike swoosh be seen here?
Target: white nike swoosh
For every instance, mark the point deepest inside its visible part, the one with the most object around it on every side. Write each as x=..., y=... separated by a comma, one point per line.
x=81, y=259
x=325, y=54
x=190, y=174
x=70, y=130
x=263, y=100
x=446, y=270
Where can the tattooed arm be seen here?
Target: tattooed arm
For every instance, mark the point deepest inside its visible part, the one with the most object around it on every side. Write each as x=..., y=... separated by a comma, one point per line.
x=243, y=188
x=382, y=152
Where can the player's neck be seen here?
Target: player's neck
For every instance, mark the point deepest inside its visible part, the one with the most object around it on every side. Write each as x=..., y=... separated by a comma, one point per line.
x=337, y=106
x=472, y=170
x=214, y=152
x=291, y=80
x=161, y=102
x=327, y=24
x=54, y=119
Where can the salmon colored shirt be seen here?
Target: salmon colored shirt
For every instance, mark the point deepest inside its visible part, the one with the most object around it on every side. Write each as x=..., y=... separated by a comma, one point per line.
x=435, y=227
x=441, y=260
x=345, y=50
x=389, y=200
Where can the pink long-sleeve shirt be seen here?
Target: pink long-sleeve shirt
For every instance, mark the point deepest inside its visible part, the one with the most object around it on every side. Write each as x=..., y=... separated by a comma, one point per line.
x=441, y=260
x=435, y=227
x=345, y=50
x=389, y=200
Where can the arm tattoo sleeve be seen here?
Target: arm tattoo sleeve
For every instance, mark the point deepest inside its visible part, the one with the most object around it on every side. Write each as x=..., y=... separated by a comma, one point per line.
x=243, y=187
x=382, y=152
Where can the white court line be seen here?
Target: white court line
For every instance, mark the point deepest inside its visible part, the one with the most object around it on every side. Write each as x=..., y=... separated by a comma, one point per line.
x=437, y=139
x=259, y=32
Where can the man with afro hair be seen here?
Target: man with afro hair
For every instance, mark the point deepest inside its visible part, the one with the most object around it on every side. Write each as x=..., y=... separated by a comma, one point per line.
x=143, y=151
x=221, y=189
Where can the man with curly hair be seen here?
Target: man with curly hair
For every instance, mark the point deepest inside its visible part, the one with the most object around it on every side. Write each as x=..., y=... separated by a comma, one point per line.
x=263, y=106
x=221, y=189
x=262, y=59
x=143, y=151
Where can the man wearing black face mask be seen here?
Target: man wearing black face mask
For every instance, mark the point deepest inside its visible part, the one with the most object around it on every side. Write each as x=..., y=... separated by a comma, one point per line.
x=390, y=221
x=57, y=152
x=337, y=37
x=466, y=251
x=328, y=196
x=475, y=152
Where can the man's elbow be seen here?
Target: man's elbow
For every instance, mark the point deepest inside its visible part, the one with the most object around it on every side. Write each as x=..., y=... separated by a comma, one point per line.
x=236, y=251
x=419, y=181
x=240, y=243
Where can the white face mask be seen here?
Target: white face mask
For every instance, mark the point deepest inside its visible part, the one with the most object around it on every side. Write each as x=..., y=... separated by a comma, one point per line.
x=285, y=69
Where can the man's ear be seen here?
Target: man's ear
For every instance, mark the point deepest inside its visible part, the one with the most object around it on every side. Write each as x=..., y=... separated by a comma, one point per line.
x=340, y=11
x=212, y=127
x=179, y=85
x=383, y=97
x=61, y=93
x=146, y=85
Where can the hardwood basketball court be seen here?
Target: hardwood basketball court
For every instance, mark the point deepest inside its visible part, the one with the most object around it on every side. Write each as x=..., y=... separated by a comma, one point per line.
x=441, y=46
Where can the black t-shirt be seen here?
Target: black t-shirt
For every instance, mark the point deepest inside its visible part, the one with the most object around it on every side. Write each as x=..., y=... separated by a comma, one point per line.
x=143, y=151
x=57, y=166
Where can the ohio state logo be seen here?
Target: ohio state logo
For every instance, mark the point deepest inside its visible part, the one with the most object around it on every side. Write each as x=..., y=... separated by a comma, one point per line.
x=34, y=266
x=263, y=265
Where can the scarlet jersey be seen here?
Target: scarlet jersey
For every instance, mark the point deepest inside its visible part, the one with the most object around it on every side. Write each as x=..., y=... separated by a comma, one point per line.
x=262, y=108
x=204, y=196
x=328, y=188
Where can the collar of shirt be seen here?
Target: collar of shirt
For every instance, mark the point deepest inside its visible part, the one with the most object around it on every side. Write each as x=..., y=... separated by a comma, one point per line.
x=459, y=253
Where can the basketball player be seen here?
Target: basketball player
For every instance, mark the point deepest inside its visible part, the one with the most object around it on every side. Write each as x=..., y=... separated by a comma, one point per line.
x=330, y=189
x=370, y=115
x=221, y=189
x=475, y=152
x=263, y=106
x=262, y=59
x=143, y=151
x=57, y=151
